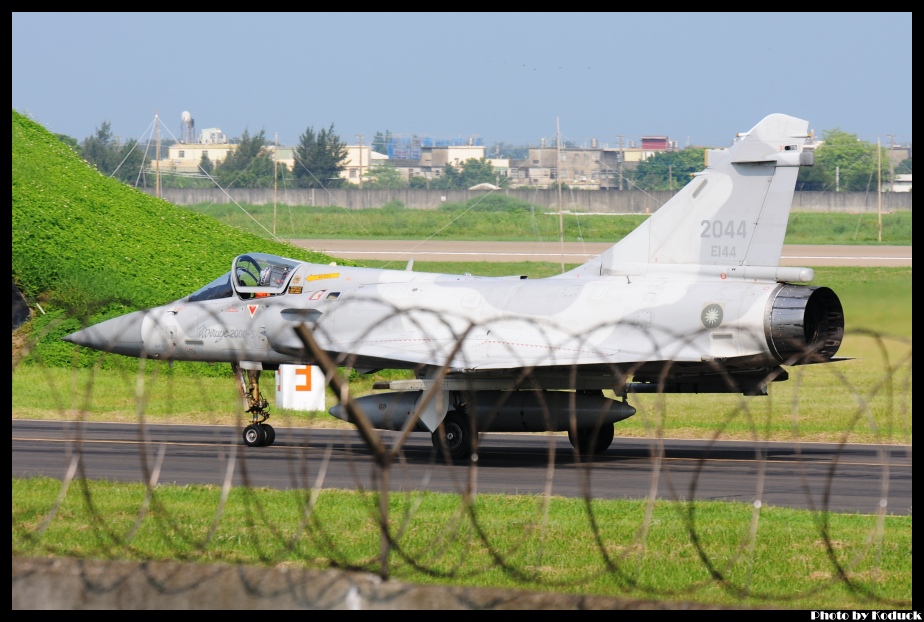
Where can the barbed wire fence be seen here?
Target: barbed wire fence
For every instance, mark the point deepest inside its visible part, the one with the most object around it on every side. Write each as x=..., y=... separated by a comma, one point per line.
x=391, y=475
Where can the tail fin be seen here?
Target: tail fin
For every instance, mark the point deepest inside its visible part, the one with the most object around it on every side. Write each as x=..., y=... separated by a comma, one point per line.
x=733, y=213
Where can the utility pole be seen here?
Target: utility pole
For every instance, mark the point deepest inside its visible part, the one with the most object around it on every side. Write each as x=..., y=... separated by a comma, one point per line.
x=879, y=183
x=157, y=156
x=891, y=164
x=360, y=161
x=561, y=224
x=275, y=182
x=622, y=158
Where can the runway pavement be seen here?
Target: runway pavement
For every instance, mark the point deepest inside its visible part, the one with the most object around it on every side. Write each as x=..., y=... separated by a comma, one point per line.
x=577, y=252
x=806, y=475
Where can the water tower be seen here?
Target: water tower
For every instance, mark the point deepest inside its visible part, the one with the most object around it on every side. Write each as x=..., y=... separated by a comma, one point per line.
x=188, y=128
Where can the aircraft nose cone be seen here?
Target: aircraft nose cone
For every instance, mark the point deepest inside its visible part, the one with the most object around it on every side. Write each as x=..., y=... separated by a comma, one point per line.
x=120, y=335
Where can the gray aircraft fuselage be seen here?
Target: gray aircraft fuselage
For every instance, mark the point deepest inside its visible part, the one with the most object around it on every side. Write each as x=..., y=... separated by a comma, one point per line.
x=693, y=300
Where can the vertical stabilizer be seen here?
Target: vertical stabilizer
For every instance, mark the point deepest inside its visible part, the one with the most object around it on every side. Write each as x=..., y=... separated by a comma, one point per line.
x=733, y=213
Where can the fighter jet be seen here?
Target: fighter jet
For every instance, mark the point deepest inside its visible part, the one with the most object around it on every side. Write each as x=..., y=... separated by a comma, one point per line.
x=694, y=300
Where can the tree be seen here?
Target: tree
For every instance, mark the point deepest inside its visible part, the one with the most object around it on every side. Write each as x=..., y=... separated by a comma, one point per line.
x=132, y=163
x=469, y=173
x=418, y=182
x=70, y=141
x=248, y=166
x=444, y=181
x=479, y=171
x=512, y=152
x=205, y=163
x=319, y=159
x=380, y=141
x=669, y=170
x=451, y=177
x=99, y=149
x=843, y=162
x=386, y=177
x=904, y=167
x=123, y=162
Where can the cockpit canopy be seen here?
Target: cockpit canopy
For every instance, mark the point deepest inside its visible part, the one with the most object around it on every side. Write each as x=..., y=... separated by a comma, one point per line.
x=259, y=273
x=254, y=275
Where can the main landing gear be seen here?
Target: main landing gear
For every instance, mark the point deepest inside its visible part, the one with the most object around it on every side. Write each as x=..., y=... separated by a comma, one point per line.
x=258, y=433
x=592, y=441
x=454, y=437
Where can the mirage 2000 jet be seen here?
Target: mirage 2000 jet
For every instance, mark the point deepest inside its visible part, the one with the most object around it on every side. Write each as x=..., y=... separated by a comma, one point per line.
x=694, y=300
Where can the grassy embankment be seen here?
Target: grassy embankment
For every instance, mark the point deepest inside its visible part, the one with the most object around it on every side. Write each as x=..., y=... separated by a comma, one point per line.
x=510, y=219
x=707, y=552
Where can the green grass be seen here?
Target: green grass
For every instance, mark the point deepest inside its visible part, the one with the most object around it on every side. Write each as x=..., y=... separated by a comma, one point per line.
x=707, y=552
x=519, y=223
x=836, y=228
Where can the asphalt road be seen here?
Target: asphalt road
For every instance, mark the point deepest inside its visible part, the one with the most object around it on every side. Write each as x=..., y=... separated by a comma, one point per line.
x=818, y=476
x=576, y=252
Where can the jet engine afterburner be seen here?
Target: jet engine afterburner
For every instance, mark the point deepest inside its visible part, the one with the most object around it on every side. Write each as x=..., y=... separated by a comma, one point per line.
x=804, y=324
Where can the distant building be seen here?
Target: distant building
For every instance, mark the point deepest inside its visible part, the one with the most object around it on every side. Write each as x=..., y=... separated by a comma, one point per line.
x=590, y=168
x=435, y=155
x=212, y=136
x=359, y=160
x=583, y=168
x=654, y=144
x=898, y=153
x=501, y=166
x=184, y=158
x=439, y=157
x=901, y=183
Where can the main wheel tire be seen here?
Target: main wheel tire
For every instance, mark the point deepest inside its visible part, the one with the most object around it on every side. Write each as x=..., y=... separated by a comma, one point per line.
x=592, y=441
x=454, y=437
x=270, y=434
x=255, y=435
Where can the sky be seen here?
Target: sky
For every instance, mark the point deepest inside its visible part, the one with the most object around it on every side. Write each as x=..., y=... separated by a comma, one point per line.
x=515, y=78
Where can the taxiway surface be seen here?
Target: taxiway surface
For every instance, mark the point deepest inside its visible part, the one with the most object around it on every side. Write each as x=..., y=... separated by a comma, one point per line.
x=577, y=252
x=818, y=476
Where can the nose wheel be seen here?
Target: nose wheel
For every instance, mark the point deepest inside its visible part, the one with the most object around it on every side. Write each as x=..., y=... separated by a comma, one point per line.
x=259, y=435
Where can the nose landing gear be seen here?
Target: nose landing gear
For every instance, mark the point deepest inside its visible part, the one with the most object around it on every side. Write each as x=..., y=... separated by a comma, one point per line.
x=258, y=433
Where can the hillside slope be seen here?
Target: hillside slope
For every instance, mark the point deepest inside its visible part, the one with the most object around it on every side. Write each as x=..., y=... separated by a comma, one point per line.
x=67, y=219
x=86, y=247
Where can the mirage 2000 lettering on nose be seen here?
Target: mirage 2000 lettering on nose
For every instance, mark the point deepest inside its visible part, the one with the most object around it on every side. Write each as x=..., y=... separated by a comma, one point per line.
x=692, y=301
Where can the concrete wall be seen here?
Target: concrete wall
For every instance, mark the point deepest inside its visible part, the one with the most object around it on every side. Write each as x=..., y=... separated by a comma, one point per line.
x=66, y=584
x=602, y=201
